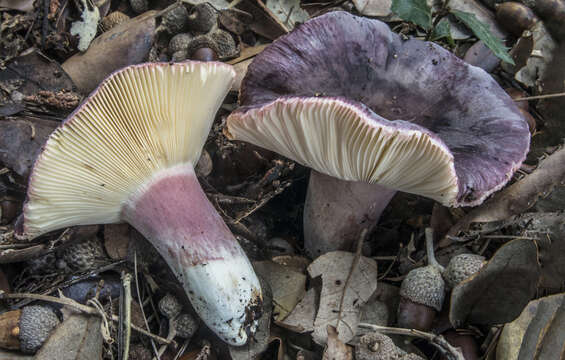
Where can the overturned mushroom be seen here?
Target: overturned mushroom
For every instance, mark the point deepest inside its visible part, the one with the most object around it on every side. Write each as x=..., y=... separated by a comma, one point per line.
x=128, y=154
x=349, y=98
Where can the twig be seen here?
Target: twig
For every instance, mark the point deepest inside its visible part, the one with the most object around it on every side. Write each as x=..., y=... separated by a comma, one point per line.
x=83, y=308
x=537, y=97
x=354, y=264
x=451, y=352
x=126, y=281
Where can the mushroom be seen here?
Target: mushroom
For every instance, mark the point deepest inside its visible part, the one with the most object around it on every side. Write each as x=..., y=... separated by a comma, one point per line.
x=127, y=154
x=371, y=114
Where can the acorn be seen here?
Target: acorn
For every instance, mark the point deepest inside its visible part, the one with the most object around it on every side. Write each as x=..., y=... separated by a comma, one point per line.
x=202, y=18
x=179, y=42
x=199, y=42
x=139, y=6
x=27, y=329
x=185, y=325
x=84, y=255
x=169, y=306
x=175, y=21
x=461, y=267
x=515, y=17
x=226, y=46
x=422, y=292
x=204, y=54
x=113, y=19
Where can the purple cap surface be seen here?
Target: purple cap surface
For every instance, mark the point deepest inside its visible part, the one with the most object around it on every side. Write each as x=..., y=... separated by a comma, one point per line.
x=396, y=88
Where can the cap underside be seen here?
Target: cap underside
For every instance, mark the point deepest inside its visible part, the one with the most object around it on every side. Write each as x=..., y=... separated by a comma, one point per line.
x=140, y=120
x=348, y=141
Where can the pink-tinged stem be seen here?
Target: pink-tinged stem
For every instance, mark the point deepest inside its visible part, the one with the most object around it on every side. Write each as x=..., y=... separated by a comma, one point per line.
x=337, y=211
x=174, y=214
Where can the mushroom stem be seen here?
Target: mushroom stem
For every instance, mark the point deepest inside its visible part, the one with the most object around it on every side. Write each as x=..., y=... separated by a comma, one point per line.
x=336, y=211
x=174, y=214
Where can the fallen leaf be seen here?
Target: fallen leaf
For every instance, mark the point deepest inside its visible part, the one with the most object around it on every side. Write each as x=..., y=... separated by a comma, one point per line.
x=240, y=70
x=301, y=319
x=414, y=11
x=377, y=8
x=116, y=240
x=126, y=44
x=549, y=230
x=78, y=337
x=288, y=12
x=20, y=5
x=288, y=286
x=335, y=348
x=538, y=333
x=86, y=28
x=334, y=268
x=500, y=290
x=298, y=262
x=520, y=196
x=265, y=22
x=18, y=148
x=539, y=58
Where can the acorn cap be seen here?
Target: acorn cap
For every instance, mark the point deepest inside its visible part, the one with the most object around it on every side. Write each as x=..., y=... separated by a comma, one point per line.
x=376, y=346
x=85, y=254
x=424, y=285
x=200, y=41
x=349, y=98
x=461, y=267
x=169, y=306
x=179, y=42
x=202, y=17
x=226, y=46
x=36, y=324
x=175, y=20
x=185, y=325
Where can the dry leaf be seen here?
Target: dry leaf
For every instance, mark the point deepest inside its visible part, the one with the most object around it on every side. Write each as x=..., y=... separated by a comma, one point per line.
x=265, y=23
x=380, y=8
x=87, y=26
x=520, y=196
x=116, y=240
x=288, y=12
x=288, y=286
x=500, y=290
x=336, y=349
x=77, y=338
x=334, y=268
x=301, y=319
x=126, y=44
x=538, y=333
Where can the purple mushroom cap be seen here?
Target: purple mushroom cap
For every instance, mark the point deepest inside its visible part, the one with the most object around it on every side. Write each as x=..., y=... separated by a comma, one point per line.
x=395, y=86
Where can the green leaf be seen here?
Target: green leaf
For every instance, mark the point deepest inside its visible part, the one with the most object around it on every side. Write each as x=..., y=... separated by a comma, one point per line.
x=441, y=31
x=415, y=11
x=484, y=34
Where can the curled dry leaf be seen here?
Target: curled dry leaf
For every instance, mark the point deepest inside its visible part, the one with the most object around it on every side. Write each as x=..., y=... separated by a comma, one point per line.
x=335, y=348
x=265, y=22
x=500, y=290
x=334, y=268
x=538, y=333
x=520, y=196
x=80, y=336
x=537, y=48
x=379, y=8
x=288, y=286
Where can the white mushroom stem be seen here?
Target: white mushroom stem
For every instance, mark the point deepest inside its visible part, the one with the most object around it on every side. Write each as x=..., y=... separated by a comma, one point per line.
x=336, y=212
x=174, y=214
